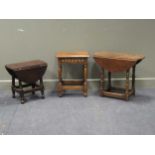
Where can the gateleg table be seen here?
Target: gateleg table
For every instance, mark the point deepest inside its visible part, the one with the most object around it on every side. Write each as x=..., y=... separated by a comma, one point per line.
x=117, y=62
x=27, y=73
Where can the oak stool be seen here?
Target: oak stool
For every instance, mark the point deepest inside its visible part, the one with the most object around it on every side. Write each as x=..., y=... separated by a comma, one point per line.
x=72, y=58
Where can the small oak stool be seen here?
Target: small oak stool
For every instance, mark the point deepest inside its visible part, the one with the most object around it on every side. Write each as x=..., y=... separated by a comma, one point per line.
x=27, y=73
x=117, y=62
x=72, y=58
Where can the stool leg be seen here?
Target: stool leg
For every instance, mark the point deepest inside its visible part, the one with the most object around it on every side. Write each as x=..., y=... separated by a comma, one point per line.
x=42, y=88
x=33, y=86
x=109, y=81
x=59, y=85
x=127, y=85
x=85, y=85
x=13, y=86
x=102, y=82
x=133, y=79
x=21, y=92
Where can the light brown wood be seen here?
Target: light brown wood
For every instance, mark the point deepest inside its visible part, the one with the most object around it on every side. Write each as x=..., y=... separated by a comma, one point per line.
x=71, y=87
x=80, y=57
x=118, y=56
x=117, y=62
x=80, y=54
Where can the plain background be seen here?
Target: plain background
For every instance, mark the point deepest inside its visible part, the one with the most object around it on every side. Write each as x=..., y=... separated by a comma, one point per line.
x=28, y=39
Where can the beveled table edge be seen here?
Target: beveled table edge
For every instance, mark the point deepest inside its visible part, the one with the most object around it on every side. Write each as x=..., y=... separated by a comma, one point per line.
x=77, y=54
x=139, y=56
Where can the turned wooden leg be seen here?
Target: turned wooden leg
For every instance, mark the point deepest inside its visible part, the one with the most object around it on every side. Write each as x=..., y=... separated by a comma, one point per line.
x=127, y=85
x=13, y=86
x=33, y=86
x=102, y=82
x=133, y=79
x=21, y=92
x=59, y=85
x=42, y=88
x=85, y=85
x=109, y=81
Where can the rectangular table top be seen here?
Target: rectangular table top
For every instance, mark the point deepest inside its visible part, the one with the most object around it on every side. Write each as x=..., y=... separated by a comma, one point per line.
x=118, y=56
x=26, y=65
x=80, y=54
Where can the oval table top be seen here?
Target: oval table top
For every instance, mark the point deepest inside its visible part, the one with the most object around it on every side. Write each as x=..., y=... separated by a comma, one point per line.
x=117, y=62
x=119, y=56
x=26, y=65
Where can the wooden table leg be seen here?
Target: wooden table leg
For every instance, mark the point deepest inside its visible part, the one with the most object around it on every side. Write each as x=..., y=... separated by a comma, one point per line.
x=13, y=86
x=127, y=85
x=42, y=88
x=133, y=79
x=85, y=85
x=109, y=81
x=33, y=86
x=102, y=82
x=21, y=92
x=59, y=86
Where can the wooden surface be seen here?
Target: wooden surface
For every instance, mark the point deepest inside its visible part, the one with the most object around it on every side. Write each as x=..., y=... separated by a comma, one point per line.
x=72, y=58
x=26, y=65
x=117, y=62
x=119, y=56
x=81, y=54
x=28, y=74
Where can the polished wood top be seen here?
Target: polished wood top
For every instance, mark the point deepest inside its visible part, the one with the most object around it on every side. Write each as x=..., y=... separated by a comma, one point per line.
x=119, y=56
x=26, y=65
x=80, y=54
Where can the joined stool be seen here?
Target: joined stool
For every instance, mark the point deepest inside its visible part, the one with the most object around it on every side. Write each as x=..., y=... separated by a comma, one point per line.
x=72, y=58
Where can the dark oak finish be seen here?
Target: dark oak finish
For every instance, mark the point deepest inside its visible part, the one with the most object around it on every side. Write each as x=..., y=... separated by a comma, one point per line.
x=72, y=58
x=27, y=73
x=117, y=62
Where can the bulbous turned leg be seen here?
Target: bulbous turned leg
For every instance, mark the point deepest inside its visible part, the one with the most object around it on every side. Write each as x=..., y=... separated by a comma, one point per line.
x=21, y=93
x=22, y=98
x=59, y=89
x=85, y=89
x=59, y=85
